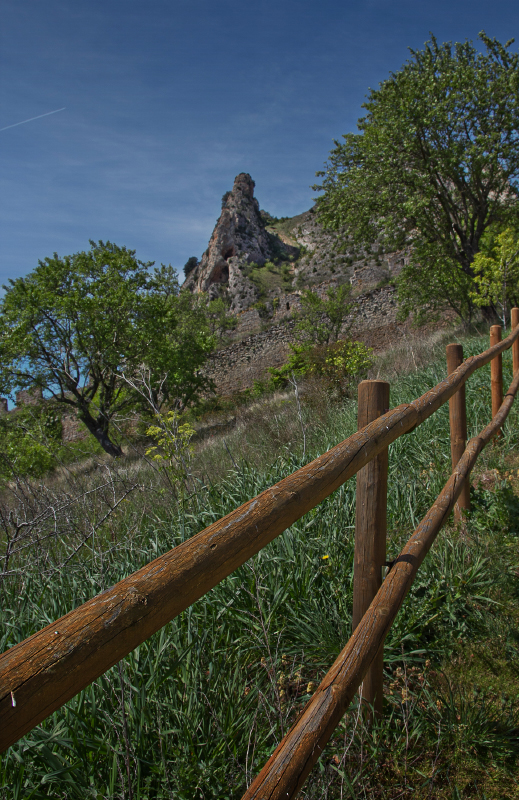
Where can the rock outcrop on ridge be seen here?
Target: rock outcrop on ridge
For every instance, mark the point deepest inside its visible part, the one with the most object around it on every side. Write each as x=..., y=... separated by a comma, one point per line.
x=254, y=258
x=239, y=239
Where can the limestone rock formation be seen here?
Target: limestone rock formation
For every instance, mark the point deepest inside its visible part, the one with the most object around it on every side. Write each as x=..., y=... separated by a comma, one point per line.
x=302, y=253
x=239, y=239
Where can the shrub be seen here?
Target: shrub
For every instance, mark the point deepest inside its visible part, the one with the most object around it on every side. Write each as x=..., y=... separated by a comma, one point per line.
x=339, y=364
x=190, y=265
x=29, y=441
x=173, y=446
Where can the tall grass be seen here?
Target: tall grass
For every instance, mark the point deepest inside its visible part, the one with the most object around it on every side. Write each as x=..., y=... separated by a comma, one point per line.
x=196, y=710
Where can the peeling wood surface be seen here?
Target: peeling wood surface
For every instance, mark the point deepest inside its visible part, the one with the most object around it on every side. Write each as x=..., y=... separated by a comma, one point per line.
x=287, y=769
x=52, y=666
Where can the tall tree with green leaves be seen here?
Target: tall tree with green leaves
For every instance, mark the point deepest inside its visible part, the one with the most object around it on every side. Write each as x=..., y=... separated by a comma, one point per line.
x=435, y=164
x=75, y=326
x=177, y=337
x=220, y=320
x=322, y=318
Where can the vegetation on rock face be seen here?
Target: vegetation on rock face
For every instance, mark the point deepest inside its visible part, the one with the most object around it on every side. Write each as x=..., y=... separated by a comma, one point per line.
x=220, y=320
x=268, y=277
x=190, y=265
x=76, y=325
x=436, y=163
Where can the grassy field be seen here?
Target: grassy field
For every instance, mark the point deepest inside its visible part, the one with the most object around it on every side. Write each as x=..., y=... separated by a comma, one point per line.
x=196, y=710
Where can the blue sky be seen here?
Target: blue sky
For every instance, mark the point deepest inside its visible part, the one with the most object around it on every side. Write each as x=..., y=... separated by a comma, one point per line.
x=167, y=100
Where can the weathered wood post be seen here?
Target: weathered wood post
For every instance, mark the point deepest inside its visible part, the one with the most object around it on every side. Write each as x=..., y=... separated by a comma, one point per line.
x=515, y=347
x=496, y=373
x=458, y=426
x=370, y=531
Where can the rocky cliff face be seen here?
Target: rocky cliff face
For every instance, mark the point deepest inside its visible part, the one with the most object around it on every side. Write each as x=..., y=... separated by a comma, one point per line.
x=254, y=257
x=239, y=239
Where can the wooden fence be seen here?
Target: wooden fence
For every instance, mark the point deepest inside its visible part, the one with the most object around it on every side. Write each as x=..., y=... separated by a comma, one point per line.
x=40, y=674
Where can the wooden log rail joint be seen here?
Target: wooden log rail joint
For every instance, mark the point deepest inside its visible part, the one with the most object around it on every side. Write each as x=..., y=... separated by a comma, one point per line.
x=40, y=674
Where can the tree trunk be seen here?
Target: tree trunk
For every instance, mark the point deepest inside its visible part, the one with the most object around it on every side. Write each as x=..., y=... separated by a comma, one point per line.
x=100, y=431
x=490, y=314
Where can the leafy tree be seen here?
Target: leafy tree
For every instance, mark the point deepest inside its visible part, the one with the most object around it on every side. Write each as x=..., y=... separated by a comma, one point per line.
x=76, y=325
x=321, y=319
x=176, y=341
x=220, y=321
x=435, y=164
x=497, y=272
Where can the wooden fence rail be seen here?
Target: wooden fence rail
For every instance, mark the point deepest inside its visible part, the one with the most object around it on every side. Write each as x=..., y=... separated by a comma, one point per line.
x=40, y=674
x=287, y=769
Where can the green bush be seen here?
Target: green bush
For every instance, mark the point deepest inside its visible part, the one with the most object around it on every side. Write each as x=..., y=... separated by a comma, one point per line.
x=340, y=364
x=29, y=442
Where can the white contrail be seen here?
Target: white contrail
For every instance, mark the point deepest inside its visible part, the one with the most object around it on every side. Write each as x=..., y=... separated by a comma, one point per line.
x=32, y=119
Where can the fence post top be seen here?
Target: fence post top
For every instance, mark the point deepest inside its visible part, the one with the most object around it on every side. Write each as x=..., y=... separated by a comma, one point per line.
x=371, y=382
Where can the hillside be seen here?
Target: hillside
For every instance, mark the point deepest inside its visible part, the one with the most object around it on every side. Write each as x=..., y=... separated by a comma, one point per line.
x=260, y=264
x=253, y=257
x=197, y=708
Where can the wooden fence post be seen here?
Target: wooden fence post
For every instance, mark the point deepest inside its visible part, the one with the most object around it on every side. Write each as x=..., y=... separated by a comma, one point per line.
x=496, y=372
x=458, y=426
x=515, y=347
x=370, y=531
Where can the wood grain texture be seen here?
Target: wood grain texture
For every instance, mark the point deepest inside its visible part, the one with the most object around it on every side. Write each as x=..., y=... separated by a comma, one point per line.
x=458, y=426
x=52, y=666
x=370, y=531
x=285, y=772
x=496, y=371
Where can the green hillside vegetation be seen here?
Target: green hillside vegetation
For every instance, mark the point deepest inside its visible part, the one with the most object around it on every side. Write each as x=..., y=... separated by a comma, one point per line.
x=286, y=227
x=196, y=710
x=270, y=276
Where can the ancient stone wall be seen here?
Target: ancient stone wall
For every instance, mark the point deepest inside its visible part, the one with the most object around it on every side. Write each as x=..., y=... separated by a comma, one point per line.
x=236, y=367
x=29, y=397
x=72, y=429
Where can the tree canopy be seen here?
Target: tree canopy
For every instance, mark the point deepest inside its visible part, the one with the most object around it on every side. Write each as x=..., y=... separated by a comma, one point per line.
x=436, y=163
x=321, y=318
x=75, y=326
